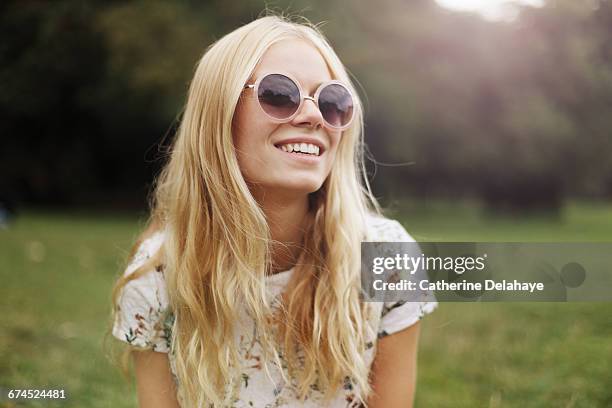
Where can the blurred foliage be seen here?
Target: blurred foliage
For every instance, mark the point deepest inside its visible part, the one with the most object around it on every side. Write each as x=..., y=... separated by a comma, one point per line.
x=515, y=114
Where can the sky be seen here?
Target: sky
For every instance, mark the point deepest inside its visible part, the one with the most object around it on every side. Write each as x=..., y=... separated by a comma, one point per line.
x=494, y=10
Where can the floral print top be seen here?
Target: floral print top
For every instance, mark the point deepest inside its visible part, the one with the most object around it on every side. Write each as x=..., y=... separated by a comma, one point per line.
x=144, y=319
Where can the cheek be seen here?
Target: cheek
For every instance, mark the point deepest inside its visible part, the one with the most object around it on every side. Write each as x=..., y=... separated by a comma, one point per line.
x=251, y=137
x=239, y=125
x=250, y=126
x=335, y=143
x=246, y=127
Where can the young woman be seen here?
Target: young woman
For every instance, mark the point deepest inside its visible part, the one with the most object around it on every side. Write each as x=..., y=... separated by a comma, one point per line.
x=244, y=290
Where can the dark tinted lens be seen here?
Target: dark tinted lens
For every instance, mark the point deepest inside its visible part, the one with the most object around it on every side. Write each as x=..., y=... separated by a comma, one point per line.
x=279, y=96
x=336, y=105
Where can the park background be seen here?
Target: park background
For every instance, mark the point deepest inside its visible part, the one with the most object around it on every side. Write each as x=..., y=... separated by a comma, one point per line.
x=483, y=123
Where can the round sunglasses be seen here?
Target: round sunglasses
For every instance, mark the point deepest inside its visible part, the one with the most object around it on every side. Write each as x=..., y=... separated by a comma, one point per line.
x=281, y=98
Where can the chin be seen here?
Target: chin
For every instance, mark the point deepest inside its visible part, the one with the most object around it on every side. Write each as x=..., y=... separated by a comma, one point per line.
x=300, y=186
x=306, y=188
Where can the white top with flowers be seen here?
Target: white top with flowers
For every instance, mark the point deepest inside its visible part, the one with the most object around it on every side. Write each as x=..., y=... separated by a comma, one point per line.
x=145, y=320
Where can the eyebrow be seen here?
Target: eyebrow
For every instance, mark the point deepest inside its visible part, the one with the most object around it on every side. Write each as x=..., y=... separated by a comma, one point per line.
x=254, y=78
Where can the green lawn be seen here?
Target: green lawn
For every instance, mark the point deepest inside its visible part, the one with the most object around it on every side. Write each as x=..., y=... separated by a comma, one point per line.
x=57, y=271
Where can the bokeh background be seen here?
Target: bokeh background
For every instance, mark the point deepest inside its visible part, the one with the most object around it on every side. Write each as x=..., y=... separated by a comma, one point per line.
x=486, y=120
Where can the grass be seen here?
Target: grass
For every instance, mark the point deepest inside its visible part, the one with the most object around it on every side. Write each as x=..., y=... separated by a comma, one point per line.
x=57, y=271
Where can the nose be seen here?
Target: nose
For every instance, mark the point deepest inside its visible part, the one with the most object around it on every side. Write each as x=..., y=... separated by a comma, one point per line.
x=309, y=115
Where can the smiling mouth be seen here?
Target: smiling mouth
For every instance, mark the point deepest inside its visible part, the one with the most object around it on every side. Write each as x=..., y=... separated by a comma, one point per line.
x=302, y=149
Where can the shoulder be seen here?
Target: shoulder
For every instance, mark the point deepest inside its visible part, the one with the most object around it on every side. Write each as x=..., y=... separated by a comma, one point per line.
x=383, y=229
x=145, y=250
x=146, y=285
x=394, y=316
x=143, y=312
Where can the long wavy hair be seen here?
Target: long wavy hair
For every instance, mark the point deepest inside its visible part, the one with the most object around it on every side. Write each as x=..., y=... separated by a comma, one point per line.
x=217, y=243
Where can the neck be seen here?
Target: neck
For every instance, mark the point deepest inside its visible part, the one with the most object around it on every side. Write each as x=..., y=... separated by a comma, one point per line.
x=287, y=216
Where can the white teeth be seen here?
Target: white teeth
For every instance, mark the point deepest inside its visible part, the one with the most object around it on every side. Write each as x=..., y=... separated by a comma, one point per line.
x=306, y=148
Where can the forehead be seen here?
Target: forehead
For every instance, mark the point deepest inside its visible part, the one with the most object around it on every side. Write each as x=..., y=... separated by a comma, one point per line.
x=297, y=58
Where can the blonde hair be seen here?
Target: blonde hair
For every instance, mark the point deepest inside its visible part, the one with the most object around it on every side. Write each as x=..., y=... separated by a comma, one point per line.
x=217, y=241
